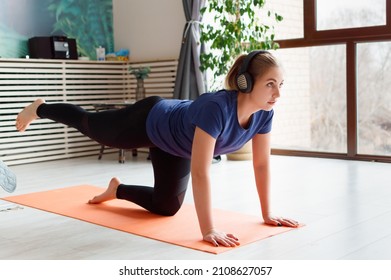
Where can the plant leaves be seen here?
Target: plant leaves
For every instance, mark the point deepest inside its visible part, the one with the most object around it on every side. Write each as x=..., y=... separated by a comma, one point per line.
x=239, y=31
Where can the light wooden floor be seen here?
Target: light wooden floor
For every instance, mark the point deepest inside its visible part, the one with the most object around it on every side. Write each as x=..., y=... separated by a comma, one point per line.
x=346, y=206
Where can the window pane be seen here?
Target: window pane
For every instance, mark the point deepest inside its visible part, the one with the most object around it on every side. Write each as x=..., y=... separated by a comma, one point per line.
x=292, y=25
x=374, y=98
x=338, y=14
x=311, y=113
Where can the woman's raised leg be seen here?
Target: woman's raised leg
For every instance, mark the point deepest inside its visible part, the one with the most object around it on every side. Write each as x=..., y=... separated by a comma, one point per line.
x=123, y=128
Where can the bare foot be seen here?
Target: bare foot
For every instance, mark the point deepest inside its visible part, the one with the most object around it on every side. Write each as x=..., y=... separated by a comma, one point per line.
x=28, y=115
x=109, y=194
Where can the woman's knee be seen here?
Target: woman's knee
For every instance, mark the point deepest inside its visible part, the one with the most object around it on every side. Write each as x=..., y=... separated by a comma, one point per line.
x=167, y=207
x=167, y=211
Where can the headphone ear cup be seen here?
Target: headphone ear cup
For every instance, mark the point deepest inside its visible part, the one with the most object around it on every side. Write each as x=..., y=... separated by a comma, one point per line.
x=244, y=82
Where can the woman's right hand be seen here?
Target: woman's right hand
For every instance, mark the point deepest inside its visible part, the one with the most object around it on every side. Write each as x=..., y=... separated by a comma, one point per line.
x=221, y=238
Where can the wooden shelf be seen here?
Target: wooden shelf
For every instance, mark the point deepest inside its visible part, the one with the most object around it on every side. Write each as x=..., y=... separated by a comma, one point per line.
x=84, y=83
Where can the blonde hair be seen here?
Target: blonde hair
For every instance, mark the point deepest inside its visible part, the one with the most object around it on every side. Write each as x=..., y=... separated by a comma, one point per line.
x=258, y=66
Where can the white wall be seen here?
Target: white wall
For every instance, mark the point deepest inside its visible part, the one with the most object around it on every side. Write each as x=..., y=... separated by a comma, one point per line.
x=150, y=29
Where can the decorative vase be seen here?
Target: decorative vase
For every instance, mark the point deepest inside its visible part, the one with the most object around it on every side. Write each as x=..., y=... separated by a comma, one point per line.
x=140, y=89
x=244, y=153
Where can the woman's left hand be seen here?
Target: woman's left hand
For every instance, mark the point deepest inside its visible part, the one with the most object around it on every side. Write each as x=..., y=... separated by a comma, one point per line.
x=280, y=221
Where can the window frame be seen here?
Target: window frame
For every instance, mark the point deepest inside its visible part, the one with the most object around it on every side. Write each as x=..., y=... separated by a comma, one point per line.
x=350, y=37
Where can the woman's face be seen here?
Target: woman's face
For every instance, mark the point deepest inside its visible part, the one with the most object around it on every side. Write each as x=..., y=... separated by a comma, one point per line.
x=267, y=88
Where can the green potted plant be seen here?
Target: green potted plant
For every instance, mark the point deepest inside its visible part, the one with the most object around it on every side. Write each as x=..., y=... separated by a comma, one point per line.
x=140, y=73
x=237, y=29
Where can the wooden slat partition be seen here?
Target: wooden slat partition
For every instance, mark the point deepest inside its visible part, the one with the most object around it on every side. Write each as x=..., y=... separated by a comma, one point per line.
x=79, y=82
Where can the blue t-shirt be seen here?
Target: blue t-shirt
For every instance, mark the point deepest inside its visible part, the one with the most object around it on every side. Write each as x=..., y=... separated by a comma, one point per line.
x=171, y=123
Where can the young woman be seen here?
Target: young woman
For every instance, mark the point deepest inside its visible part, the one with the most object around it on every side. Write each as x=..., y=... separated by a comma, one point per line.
x=183, y=136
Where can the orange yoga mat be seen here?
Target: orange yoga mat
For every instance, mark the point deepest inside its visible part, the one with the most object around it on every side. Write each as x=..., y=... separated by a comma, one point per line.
x=181, y=229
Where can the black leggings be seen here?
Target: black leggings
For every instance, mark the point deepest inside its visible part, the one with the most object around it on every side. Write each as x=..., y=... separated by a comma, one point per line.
x=126, y=129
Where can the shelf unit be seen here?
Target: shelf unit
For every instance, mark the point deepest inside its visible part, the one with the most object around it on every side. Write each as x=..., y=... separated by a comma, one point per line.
x=79, y=82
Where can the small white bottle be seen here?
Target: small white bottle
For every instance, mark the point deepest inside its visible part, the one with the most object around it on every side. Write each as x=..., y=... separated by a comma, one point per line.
x=100, y=54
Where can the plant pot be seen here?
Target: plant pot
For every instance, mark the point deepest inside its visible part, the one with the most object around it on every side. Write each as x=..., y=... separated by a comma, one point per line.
x=244, y=153
x=140, y=90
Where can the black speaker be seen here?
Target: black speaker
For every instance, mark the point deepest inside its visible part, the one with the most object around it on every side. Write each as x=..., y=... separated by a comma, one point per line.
x=72, y=49
x=59, y=47
x=244, y=80
x=40, y=47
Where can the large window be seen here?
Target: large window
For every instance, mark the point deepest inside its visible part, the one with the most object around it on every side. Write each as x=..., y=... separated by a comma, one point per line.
x=339, y=14
x=374, y=98
x=340, y=106
x=311, y=113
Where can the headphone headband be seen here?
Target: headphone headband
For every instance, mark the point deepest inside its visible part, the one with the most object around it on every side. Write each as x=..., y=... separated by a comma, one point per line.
x=248, y=59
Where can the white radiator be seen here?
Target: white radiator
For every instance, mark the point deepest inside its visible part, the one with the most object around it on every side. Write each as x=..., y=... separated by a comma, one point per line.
x=79, y=82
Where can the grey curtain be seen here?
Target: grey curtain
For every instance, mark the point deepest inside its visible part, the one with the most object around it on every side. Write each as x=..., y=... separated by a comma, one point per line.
x=190, y=82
